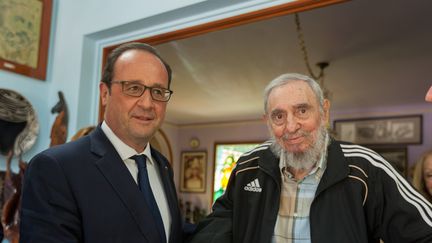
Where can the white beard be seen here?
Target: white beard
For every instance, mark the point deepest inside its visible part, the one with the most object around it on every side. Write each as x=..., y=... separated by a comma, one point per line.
x=303, y=160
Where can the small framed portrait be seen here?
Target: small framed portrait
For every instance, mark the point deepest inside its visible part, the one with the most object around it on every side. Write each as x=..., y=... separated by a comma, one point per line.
x=193, y=171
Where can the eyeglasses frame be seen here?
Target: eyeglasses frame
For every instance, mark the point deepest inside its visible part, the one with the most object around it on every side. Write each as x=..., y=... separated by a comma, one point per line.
x=145, y=88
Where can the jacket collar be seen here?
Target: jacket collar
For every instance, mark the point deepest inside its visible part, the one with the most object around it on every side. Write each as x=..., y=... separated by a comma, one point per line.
x=270, y=164
x=337, y=167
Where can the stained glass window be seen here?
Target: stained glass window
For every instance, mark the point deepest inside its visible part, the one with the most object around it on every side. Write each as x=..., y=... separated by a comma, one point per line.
x=226, y=156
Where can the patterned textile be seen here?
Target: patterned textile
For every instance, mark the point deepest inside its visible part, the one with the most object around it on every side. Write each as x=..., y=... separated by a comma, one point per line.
x=15, y=108
x=292, y=224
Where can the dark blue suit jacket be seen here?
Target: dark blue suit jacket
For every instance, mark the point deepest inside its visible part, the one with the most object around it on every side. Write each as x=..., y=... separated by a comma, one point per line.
x=83, y=192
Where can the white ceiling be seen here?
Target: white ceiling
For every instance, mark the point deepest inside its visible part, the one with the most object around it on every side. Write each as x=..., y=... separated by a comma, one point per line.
x=380, y=54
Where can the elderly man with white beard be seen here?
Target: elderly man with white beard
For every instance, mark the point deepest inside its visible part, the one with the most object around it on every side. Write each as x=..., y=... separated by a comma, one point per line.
x=303, y=186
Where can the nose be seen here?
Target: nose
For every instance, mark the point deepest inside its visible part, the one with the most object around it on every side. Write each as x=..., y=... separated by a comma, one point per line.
x=292, y=124
x=145, y=100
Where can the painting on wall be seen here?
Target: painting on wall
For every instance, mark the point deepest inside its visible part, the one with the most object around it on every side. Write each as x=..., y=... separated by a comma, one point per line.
x=24, y=36
x=193, y=171
x=226, y=156
x=380, y=130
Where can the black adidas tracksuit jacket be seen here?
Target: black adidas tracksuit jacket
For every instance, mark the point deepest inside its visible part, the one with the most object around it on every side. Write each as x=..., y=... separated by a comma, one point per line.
x=360, y=198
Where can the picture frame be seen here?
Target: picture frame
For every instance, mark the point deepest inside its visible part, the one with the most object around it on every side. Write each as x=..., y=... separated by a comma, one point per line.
x=397, y=156
x=397, y=130
x=193, y=168
x=24, y=36
x=226, y=155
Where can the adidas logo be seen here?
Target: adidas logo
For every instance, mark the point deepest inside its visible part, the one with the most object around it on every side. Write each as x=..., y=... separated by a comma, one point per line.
x=253, y=186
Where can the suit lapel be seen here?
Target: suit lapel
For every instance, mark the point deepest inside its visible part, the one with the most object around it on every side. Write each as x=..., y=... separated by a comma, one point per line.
x=117, y=174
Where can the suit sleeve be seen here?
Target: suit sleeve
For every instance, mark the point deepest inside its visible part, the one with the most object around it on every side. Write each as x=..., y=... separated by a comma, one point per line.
x=48, y=210
x=405, y=215
x=217, y=226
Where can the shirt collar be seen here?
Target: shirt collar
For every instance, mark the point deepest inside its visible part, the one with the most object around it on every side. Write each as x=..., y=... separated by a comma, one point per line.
x=124, y=150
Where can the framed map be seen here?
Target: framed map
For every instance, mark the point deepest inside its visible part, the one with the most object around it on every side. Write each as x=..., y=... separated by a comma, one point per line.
x=24, y=36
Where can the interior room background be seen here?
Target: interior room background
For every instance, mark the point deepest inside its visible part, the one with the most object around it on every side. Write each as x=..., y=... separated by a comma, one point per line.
x=75, y=53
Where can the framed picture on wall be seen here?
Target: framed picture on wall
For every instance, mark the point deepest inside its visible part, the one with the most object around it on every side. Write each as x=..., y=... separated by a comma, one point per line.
x=193, y=171
x=24, y=36
x=226, y=156
x=399, y=130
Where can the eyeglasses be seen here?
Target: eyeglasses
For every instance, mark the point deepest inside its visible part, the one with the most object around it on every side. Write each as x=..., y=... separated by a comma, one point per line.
x=136, y=90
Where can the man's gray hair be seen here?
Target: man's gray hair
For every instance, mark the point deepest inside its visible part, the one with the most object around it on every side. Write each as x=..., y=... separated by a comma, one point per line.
x=290, y=77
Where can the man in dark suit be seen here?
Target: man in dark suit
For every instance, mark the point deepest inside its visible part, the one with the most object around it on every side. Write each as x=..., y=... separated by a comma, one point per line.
x=109, y=186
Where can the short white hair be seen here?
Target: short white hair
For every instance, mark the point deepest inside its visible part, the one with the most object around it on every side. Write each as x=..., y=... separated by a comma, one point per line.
x=291, y=77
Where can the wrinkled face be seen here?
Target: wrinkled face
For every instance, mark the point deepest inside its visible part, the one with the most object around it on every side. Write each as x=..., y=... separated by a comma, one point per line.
x=294, y=117
x=135, y=119
x=427, y=174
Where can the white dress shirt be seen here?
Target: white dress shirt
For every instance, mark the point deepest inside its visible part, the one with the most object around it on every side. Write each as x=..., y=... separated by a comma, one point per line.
x=125, y=152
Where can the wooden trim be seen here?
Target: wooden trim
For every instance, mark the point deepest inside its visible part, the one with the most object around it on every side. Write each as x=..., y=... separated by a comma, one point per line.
x=165, y=137
x=41, y=68
x=44, y=41
x=246, y=18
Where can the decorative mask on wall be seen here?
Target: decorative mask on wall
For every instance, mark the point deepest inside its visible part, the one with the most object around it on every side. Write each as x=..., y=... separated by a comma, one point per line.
x=19, y=126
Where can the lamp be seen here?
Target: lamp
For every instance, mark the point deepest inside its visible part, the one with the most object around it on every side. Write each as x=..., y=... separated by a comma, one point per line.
x=322, y=65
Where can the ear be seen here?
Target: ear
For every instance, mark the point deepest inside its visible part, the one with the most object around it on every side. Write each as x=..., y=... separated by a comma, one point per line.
x=326, y=110
x=265, y=118
x=104, y=93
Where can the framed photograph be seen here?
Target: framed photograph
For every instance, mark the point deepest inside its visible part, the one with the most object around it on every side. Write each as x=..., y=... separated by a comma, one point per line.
x=397, y=156
x=381, y=130
x=226, y=156
x=193, y=171
x=24, y=36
